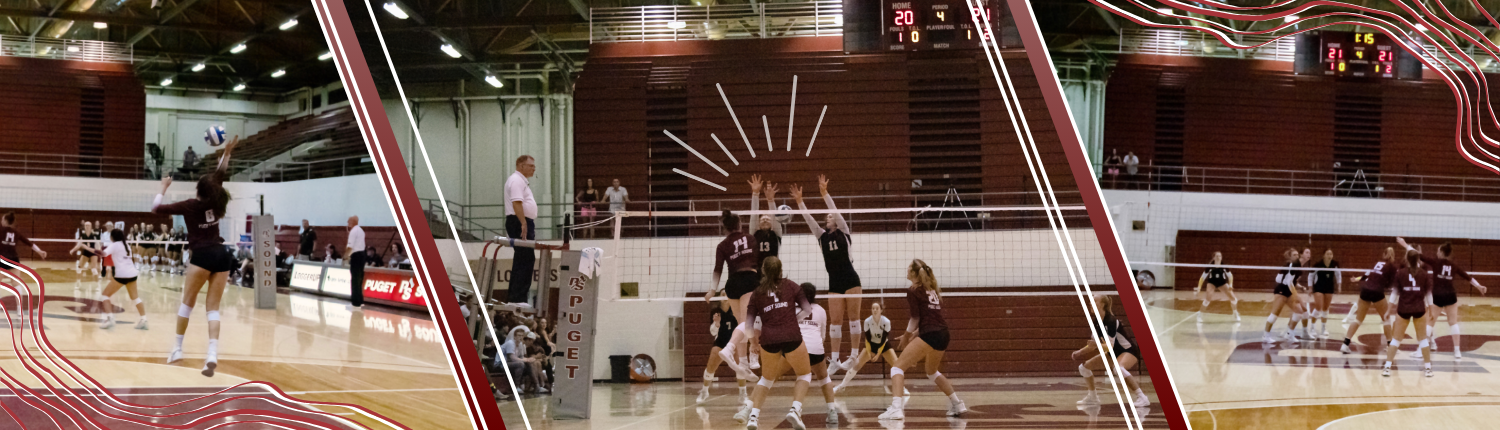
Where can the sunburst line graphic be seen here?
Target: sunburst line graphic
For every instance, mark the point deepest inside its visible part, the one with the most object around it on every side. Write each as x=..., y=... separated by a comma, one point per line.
x=765, y=124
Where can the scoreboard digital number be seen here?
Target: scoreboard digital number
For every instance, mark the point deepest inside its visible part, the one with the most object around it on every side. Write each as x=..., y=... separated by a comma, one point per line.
x=921, y=25
x=1358, y=55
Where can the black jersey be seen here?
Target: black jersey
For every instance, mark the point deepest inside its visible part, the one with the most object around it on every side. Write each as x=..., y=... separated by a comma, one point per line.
x=835, y=246
x=1324, y=279
x=1288, y=276
x=770, y=244
x=1218, y=276
x=1121, y=338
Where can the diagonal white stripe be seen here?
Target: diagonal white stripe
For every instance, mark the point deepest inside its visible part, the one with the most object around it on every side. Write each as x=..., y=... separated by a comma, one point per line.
x=736, y=120
x=791, y=117
x=690, y=175
x=695, y=152
x=726, y=149
x=767, y=124
x=815, y=131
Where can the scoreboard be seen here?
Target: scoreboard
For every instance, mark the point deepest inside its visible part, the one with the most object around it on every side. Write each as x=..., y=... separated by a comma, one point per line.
x=1358, y=55
x=922, y=25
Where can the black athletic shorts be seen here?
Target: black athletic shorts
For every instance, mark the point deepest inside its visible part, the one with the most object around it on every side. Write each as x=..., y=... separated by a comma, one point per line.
x=5, y=265
x=1372, y=296
x=741, y=283
x=1407, y=316
x=214, y=259
x=781, y=348
x=124, y=281
x=86, y=253
x=1218, y=283
x=938, y=340
x=814, y=359
x=723, y=339
x=1134, y=351
x=843, y=281
x=1444, y=300
x=876, y=349
x=1283, y=290
x=1327, y=288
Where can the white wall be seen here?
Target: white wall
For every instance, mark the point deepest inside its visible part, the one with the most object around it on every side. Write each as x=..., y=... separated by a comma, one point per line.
x=1165, y=213
x=327, y=201
x=473, y=172
x=667, y=268
x=177, y=122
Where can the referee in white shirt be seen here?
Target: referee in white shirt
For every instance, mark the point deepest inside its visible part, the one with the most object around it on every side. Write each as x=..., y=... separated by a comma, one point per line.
x=355, y=250
x=518, y=193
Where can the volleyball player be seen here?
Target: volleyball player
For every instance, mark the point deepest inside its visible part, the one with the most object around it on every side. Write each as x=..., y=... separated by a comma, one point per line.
x=125, y=276
x=1325, y=284
x=779, y=304
x=210, y=261
x=814, y=324
x=1372, y=293
x=926, y=339
x=877, y=345
x=1121, y=344
x=1413, y=285
x=106, y=267
x=737, y=251
x=767, y=239
x=833, y=239
x=87, y=237
x=1221, y=279
x=9, y=238
x=1302, y=306
x=175, y=250
x=722, y=328
x=1283, y=295
x=1444, y=296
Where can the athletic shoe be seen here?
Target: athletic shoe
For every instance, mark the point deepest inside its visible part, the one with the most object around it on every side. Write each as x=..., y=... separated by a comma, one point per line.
x=1427, y=371
x=893, y=413
x=833, y=417
x=1142, y=401
x=1092, y=399
x=753, y=423
x=1345, y=349
x=754, y=361
x=839, y=389
x=739, y=370
x=141, y=325
x=109, y=321
x=1325, y=332
x=1266, y=338
x=543, y=390
x=1457, y=355
x=742, y=415
x=957, y=409
x=1200, y=316
x=1387, y=370
x=211, y=363
x=1287, y=335
x=174, y=356
x=795, y=417
x=1236, y=316
x=703, y=396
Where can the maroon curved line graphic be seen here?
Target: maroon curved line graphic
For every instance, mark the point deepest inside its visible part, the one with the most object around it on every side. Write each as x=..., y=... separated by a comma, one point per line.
x=1467, y=121
x=254, y=402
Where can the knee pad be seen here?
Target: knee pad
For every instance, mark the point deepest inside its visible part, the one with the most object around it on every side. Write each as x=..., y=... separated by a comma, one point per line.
x=764, y=382
x=1395, y=343
x=897, y=371
x=1453, y=329
x=1271, y=318
x=933, y=377
x=805, y=377
x=1422, y=344
x=137, y=301
x=184, y=310
x=855, y=328
x=836, y=331
x=826, y=380
x=815, y=384
x=1299, y=316
x=1085, y=372
x=1124, y=373
x=213, y=315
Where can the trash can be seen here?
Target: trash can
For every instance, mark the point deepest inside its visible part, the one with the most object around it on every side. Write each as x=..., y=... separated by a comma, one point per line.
x=619, y=368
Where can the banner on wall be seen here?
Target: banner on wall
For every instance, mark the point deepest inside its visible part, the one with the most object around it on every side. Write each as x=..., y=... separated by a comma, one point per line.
x=385, y=286
x=502, y=273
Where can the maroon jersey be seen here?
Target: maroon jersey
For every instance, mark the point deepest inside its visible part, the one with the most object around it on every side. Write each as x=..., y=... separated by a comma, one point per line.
x=9, y=237
x=927, y=307
x=1412, y=286
x=1380, y=277
x=777, y=311
x=1443, y=271
x=202, y=222
x=739, y=251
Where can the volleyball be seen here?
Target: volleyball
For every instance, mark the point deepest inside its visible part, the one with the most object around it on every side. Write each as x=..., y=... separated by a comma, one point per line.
x=214, y=136
x=783, y=218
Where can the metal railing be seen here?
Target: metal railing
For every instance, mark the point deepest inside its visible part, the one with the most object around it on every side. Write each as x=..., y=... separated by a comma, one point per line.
x=44, y=164
x=484, y=221
x=66, y=49
x=1304, y=183
x=1156, y=41
x=738, y=21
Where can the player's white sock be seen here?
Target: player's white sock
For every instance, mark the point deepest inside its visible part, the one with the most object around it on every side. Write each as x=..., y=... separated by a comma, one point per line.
x=213, y=346
x=179, y=341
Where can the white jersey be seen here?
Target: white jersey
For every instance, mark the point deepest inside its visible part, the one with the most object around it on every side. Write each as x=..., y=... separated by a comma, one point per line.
x=813, y=327
x=875, y=333
x=124, y=267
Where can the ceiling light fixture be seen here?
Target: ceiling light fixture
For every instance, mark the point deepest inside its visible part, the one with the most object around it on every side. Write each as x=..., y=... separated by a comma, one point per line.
x=239, y=86
x=238, y=49
x=166, y=82
x=395, y=10
x=278, y=73
x=289, y=24
x=494, y=81
x=325, y=56
x=101, y=25
x=451, y=51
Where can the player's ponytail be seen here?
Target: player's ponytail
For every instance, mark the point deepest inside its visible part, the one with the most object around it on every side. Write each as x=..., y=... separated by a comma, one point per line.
x=1412, y=256
x=924, y=277
x=770, y=275
x=119, y=236
x=1106, y=305
x=731, y=222
x=10, y=218
x=1446, y=248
